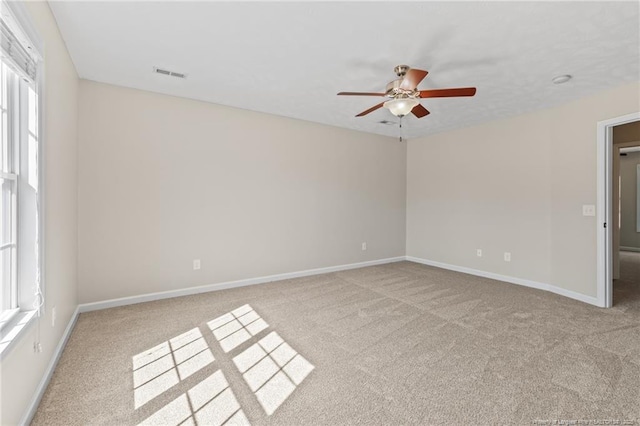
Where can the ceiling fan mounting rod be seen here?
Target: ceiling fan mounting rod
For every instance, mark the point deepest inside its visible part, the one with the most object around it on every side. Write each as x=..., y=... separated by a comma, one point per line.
x=401, y=70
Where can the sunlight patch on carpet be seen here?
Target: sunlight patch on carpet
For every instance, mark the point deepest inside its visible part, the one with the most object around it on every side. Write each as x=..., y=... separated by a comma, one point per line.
x=236, y=327
x=210, y=402
x=272, y=369
x=158, y=369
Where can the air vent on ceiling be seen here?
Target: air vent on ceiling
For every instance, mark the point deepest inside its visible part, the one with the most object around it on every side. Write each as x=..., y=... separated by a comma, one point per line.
x=169, y=73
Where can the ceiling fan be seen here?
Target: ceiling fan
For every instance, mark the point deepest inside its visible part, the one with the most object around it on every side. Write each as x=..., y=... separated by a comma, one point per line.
x=405, y=95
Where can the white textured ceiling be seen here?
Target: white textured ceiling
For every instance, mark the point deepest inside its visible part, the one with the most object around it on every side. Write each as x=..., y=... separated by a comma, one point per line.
x=291, y=58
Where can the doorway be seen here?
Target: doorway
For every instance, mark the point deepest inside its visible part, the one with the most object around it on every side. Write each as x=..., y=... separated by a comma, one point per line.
x=608, y=212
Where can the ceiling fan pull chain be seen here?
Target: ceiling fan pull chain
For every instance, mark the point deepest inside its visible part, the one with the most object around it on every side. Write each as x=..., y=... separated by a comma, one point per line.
x=400, y=128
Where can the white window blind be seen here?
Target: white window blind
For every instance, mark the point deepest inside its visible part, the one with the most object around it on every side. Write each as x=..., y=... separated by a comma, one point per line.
x=16, y=47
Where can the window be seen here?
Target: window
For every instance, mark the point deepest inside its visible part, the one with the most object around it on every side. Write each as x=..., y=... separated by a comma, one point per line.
x=9, y=176
x=19, y=173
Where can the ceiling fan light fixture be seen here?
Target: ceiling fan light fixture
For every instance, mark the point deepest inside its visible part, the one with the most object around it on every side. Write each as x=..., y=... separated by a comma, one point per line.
x=401, y=106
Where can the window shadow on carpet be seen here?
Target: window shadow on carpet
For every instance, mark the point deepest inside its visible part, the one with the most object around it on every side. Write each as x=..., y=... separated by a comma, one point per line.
x=270, y=367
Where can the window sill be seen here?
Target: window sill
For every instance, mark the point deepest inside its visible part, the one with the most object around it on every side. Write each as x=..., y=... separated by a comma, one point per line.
x=6, y=318
x=13, y=329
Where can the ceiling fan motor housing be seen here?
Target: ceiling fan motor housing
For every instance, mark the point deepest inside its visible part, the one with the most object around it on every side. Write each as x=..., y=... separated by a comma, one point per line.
x=394, y=90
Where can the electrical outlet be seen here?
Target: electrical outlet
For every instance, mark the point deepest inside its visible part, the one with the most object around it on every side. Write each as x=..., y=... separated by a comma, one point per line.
x=507, y=256
x=479, y=252
x=364, y=246
x=588, y=210
x=196, y=264
x=37, y=347
x=53, y=316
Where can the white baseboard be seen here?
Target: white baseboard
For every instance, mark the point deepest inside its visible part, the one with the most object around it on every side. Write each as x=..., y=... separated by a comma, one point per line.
x=520, y=281
x=87, y=307
x=636, y=249
x=112, y=303
x=37, y=396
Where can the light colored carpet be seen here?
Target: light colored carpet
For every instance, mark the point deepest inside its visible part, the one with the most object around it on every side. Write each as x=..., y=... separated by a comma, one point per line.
x=393, y=344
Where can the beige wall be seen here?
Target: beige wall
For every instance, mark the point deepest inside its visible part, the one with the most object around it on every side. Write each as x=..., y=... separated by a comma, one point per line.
x=629, y=236
x=165, y=180
x=514, y=185
x=22, y=369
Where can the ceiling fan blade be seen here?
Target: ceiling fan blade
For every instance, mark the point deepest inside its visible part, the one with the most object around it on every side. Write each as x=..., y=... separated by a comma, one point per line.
x=360, y=94
x=373, y=108
x=420, y=111
x=448, y=93
x=412, y=78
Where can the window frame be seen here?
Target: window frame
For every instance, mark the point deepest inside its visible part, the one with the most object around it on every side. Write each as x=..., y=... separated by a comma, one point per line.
x=12, y=157
x=29, y=306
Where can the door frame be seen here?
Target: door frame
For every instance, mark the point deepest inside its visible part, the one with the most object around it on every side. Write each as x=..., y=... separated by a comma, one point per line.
x=604, y=206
